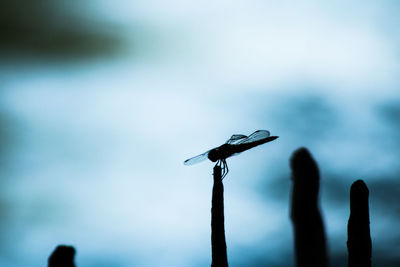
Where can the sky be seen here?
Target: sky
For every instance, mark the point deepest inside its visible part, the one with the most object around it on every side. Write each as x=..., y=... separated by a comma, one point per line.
x=101, y=102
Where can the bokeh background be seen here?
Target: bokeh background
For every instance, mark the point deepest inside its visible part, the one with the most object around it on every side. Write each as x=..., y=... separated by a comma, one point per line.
x=102, y=101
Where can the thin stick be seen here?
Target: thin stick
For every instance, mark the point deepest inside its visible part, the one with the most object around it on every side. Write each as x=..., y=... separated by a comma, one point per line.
x=309, y=233
x=62, y=256
x=358, y=233
x=218, y=244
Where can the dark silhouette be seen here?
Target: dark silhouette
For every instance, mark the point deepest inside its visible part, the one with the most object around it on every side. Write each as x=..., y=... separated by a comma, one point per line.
x=358, y=233
x=218, y=244
x=309, y=234
x=62, y=256
x=233, y=146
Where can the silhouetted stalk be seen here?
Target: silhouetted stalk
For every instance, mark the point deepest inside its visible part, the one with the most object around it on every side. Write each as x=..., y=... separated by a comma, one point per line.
x=309, y=234
x=358, y=233
x=62, y=256
x=218, y=244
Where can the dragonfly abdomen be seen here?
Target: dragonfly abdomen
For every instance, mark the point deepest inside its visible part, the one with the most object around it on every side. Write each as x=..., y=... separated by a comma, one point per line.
x=246, y=146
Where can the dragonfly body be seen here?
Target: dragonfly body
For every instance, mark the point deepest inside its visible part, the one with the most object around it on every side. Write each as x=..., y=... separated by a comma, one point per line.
x=235, y=145
x=227, y=150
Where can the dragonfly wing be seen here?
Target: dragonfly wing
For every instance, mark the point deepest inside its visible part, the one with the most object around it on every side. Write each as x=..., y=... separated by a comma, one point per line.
x=235, y=138
x=256, y=136
x=197, y=159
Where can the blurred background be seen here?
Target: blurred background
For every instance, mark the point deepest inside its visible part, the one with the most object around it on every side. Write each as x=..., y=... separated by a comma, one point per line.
x=102, y=101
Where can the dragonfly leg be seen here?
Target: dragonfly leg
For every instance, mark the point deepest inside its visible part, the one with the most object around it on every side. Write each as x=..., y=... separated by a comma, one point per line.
x=225, y=169
x=219, y=163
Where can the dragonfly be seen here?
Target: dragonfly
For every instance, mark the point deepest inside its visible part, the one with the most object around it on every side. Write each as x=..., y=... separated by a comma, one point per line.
x=233, y=146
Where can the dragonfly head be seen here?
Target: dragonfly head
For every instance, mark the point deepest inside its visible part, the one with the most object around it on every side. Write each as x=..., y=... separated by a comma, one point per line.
x=213, y=155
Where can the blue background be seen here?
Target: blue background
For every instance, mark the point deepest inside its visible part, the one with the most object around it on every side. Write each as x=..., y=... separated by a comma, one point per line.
x=102, y=101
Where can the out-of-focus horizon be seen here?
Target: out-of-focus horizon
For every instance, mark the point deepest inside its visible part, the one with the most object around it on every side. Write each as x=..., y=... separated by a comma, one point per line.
x=101, y=102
